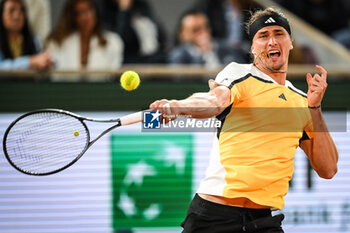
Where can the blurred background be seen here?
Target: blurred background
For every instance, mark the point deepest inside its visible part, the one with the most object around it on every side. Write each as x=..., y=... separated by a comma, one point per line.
x=69, y=54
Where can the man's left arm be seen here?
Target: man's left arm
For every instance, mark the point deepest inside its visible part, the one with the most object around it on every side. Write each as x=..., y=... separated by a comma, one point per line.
x=320, y=149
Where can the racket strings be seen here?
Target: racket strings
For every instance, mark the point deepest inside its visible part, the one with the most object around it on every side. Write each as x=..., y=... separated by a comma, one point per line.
x=45, y=142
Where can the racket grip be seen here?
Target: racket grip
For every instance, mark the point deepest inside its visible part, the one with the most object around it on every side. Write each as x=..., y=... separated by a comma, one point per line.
x=137, y=117
x=168, y=108
x=131, y=118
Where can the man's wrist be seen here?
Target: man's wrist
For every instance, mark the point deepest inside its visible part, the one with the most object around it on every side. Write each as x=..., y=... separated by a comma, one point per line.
x=175, y=107
x=315, y=107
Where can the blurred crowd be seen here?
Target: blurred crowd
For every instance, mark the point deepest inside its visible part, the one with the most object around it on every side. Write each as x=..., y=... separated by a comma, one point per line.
x=105, y=34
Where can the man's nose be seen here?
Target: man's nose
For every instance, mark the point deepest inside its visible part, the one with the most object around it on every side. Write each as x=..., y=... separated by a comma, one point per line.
x=272, y=41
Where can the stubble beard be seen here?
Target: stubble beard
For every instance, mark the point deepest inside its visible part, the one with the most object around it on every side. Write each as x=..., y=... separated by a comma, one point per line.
x=275, y=68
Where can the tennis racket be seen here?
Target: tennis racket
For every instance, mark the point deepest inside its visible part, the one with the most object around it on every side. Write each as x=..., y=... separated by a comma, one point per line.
x=47, y=141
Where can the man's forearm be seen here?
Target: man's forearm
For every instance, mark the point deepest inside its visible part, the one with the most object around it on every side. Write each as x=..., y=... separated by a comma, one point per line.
x=324, y=156
x=199, y=105
x=203, y=105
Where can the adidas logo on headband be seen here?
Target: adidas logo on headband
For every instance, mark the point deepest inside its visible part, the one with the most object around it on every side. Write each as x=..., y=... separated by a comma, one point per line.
x=270, y=20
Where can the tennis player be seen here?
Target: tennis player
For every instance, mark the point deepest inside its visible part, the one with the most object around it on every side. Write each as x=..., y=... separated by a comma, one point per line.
x=249, y=170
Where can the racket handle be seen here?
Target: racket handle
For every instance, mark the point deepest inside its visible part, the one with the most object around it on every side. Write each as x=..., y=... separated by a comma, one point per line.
x=168, y=108
x=137, y=117
x=131, y=118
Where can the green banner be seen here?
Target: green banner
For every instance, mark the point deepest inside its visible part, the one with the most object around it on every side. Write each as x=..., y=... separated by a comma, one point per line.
x=151, y=178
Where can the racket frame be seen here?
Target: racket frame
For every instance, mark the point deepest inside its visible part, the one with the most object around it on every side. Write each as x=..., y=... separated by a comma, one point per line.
x=80, y=118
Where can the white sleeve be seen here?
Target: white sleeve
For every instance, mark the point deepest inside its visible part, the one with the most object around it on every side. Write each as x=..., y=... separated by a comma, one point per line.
x=230, y=73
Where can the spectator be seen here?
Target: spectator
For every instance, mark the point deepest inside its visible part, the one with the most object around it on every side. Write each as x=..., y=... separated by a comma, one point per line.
x=227, y=18
x=143, y=37
x=196, y=46
x=18, y=48
x=79, y=41
x=39, y=17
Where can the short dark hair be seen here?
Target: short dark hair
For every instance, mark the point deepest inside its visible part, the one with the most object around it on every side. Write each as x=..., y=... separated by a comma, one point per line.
x=262, y=13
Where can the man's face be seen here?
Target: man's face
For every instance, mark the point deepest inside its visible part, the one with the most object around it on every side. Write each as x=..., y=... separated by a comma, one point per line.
x=276, y=41
x=195, y=29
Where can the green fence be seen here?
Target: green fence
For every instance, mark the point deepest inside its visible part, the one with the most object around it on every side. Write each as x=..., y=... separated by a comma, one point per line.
x=18, y=96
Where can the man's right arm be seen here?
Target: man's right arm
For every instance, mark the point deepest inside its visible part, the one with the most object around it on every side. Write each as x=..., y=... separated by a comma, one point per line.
x=199, y=105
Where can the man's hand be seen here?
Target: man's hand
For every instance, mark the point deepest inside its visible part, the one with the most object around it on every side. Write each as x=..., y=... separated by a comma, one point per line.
x=167, y=108
x=200, y=105
x=321, y=149
x=317, y=87
x=203, y=41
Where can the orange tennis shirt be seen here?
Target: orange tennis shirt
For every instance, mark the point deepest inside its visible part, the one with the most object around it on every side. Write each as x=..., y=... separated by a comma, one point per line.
x=253, y=150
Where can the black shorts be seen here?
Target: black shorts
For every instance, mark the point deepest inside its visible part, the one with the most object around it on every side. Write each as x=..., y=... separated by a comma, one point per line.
x=208, y=217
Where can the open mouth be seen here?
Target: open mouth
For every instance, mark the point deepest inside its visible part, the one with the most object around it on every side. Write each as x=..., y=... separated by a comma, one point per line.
x=274, y=54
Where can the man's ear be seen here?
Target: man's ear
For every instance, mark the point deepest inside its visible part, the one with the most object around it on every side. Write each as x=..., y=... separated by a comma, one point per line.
x=291, y=43
x=252, y=50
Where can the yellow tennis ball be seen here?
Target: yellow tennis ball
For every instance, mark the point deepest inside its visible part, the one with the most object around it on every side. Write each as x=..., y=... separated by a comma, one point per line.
x=76, y=133
x=130, y=80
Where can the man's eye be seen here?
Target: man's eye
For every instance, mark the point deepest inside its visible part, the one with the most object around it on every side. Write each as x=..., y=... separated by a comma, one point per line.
x=263, y=36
